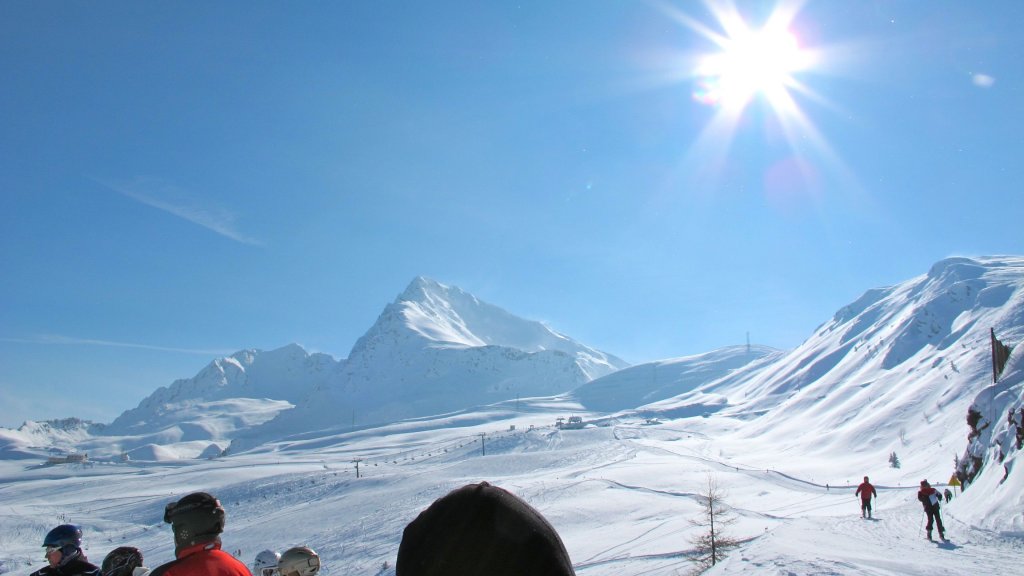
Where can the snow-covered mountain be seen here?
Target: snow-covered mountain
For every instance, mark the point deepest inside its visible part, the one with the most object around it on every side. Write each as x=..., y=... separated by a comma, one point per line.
x=437, y=349
x=789, y=433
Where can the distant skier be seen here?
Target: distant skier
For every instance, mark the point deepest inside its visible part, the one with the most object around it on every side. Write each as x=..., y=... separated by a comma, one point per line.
x=930, y=499
x=265, y=563
x=299, y=561
x=197, y=521
x=124, y=561
x=947, y=494
x=865, y=491
x=64, y=553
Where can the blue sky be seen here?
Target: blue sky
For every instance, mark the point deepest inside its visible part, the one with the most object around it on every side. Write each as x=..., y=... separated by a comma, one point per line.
x=183, y=180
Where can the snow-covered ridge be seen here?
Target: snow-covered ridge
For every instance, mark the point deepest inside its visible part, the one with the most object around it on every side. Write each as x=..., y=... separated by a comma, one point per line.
x=653, y=382
x=32, y=439
x=286, y=374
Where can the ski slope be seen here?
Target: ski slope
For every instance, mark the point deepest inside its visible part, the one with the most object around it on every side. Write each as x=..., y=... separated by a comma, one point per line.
x=621, y=493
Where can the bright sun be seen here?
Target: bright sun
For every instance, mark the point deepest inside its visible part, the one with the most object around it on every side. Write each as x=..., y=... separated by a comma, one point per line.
x=751, y=63
x=746, y=63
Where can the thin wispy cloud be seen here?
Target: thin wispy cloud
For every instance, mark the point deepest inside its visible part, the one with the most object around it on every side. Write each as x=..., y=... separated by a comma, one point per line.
x=56, y=339
x=178, y=202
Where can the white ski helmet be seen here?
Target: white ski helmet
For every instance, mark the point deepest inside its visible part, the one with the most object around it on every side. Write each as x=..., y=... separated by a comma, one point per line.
x=299, y=561
x=265, y=563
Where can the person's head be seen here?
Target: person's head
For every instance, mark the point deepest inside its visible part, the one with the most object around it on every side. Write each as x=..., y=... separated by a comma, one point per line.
x=195, y=519
x=122, y=561
x=63, y=544
x=299, y=561
x=865, y=478
x=265, y=563
x=481, y=529
x=925, y=484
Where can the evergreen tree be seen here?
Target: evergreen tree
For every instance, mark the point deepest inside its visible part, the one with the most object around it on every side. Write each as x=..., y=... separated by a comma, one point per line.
x=894, y=460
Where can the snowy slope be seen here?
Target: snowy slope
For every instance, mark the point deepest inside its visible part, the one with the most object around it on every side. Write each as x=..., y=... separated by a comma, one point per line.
x=621, y=496
x=656, y=381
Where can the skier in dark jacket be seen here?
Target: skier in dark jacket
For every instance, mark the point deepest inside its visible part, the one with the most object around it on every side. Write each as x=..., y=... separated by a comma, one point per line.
x=197, y=521
x=481, y=529
x=865, y=491
x=930, y=499
x=64, y=553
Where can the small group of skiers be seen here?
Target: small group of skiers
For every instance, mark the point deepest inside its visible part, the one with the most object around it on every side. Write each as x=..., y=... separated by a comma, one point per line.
x=476, y=529
x=197, y=521
x=929, y=497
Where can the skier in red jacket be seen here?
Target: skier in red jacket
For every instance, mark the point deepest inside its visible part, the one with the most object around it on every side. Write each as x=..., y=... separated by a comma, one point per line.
x=865, y=491
x=197, y=521
x=930, y=499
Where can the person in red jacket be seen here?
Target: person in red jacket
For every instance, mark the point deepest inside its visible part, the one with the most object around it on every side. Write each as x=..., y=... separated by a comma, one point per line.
x=930, y=499
x=865, y=491
x=197, y=521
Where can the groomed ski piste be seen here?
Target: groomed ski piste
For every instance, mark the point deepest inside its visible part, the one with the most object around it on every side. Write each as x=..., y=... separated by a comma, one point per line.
x=621, y=492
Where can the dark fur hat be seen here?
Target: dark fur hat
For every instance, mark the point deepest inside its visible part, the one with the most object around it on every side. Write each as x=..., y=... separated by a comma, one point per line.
x=481, y=529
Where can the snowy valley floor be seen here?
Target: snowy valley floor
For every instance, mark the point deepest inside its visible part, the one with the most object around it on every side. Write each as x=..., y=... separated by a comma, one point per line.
x=621, y=495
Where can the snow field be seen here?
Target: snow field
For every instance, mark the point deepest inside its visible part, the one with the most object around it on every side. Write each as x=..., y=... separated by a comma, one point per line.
x=621, y=496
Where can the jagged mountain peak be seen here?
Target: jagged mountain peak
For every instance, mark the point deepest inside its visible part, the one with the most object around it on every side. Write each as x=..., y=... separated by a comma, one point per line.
x=434, y=314
x=422, y=288
x=437, y=313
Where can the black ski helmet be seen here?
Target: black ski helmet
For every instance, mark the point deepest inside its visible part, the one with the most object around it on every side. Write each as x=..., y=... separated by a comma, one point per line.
x=196, y=518
x=122, y=561
x=64, y=535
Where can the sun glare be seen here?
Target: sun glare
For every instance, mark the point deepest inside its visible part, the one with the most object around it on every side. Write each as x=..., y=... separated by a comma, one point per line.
x=744, y=63
x=751, y=63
